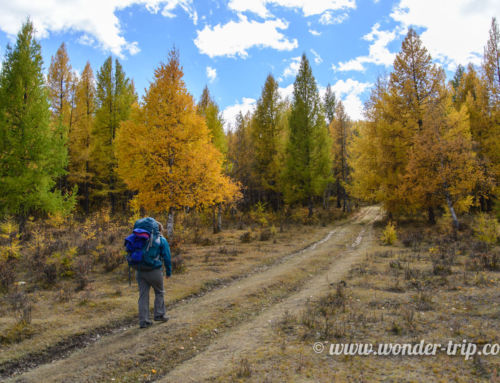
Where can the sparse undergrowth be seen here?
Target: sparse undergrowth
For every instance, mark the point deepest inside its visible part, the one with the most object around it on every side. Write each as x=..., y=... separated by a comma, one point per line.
x=437, y=288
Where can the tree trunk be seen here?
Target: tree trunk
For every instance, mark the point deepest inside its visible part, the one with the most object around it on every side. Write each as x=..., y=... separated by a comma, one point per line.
x=432, y=217
x=310, y=205
x=170, y=223
x=456, y=224
x=217, y=218
x=339, y=195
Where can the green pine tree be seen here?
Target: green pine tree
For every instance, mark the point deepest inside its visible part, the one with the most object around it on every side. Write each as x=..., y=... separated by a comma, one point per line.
x=308, y=163
x=33, y=155
x=330, y=103
x=268, y=136
x=209, y=109
x=114, y=95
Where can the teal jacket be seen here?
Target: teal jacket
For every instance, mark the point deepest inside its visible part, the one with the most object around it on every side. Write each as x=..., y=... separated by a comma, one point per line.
x=164, y=255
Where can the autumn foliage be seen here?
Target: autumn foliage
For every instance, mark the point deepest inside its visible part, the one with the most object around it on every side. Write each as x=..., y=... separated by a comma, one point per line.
x=165, y=151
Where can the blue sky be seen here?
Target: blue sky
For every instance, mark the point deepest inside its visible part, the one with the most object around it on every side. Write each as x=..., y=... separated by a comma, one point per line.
x=232, y=46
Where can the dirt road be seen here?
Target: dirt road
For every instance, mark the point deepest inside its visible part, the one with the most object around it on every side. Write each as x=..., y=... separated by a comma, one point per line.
x=204, y=335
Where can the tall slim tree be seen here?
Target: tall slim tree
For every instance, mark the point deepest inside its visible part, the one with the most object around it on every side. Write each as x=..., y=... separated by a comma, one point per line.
x=60, y=80
x=33, y=155
x=491, y=76
x=307, y=169
x=330, y=104
x=340, y=133
x=209, y=109
x=241, y=155
x=174, y=164
x=491, y=63
x=268, y=133
x=115, y=94
x=79, y=137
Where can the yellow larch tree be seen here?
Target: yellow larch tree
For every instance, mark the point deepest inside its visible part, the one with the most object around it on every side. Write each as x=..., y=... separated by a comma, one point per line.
x=165, y=153
x=79, y=136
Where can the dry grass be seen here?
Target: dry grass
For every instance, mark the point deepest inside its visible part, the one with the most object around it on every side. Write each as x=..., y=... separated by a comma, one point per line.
x=106, y=301
x=431, y=290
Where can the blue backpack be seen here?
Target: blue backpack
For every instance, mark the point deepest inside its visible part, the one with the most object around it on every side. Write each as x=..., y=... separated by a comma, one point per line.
x=142, y=245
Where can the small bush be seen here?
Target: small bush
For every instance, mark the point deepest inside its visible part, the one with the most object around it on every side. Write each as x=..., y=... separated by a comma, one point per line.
x=17, y=333
x=265, y=235
x=112, y=259
x=178, y=264
x=246, y=237
x=486, y=229
x=389, y=235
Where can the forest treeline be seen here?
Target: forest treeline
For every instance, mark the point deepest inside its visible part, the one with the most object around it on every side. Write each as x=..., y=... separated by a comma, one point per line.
x=79, y=143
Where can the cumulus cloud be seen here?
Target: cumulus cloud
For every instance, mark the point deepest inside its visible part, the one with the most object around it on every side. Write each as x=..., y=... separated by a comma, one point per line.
x=378, y=53
x=460, y=38
x=349, y=92
x=286, y=92
x=236, y=37
x=95, y=19
x=308, y=7
x=229, y=113
x=292, y=69
x=317, y=58
x=314, y=32
x=328, y=18
x=211, y=73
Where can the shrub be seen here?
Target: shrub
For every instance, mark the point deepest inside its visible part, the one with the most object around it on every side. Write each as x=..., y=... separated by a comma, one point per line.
x=265, y=235
x=246, y=237
x=10, y=252
x=486, y=229
x=112, y=259
x=389, y=235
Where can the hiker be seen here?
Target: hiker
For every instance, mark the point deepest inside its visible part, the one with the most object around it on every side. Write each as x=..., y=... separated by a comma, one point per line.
x=147, y=249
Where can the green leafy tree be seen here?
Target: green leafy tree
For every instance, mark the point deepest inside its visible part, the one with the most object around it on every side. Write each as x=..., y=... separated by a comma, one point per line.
x=240, y=155
x=114, y=96
x=33, y=155
x=268, y=133
x=308, y=164
x=209, y=109
x=340, y=131
x=330, y=104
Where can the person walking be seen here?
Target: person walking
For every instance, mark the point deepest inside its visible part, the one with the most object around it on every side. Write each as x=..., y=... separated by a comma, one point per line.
x=155, y=253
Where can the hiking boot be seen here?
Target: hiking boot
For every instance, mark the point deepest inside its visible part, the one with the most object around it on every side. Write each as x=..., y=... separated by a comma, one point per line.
x=145, y=324
x=164, y=318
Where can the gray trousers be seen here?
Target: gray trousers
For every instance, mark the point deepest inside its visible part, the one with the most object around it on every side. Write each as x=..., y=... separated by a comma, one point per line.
x=145, y=280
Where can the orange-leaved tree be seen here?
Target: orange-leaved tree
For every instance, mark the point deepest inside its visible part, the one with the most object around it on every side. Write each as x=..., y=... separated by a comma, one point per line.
x=165, y=152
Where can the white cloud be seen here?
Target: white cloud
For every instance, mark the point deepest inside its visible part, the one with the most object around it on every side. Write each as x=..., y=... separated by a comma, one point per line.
x=456, y=31
x=286, y=92
x=95, y=19
x=378, y=53
x=171, y=5
x=211, y=73
x=292, y=69
x=229, y=113
x=327, y=18
x=349, y=92
x=308, y=7
x=236, y=37
x=314, y=32
x=317, y=58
